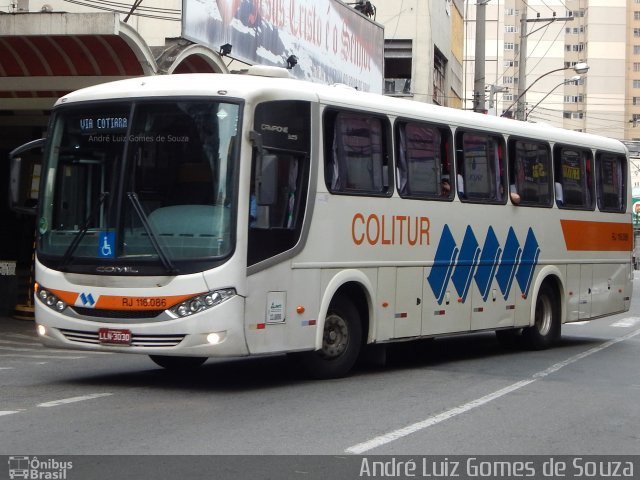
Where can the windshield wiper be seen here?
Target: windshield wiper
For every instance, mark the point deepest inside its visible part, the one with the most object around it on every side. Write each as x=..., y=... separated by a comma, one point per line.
x=164, y=258
x=68, y=254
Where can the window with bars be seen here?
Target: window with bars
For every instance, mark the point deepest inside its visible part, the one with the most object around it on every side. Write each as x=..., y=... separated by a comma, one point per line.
x=579, y=47
x=439, y=78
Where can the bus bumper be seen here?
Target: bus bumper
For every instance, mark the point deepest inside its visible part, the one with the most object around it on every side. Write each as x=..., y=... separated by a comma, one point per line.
x=188, y=336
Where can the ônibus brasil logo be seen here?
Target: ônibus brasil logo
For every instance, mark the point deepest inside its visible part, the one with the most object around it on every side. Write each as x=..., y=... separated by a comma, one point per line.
x=33, y=468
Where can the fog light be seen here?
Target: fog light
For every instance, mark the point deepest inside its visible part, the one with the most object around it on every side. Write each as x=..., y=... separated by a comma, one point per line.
x=215, y=338
x=42, y=331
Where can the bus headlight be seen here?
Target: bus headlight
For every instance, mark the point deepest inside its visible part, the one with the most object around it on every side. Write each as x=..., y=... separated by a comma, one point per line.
x=50, y=300
x=202, y=302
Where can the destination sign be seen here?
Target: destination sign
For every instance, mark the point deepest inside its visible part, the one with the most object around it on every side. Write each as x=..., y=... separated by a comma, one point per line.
x=103, y=124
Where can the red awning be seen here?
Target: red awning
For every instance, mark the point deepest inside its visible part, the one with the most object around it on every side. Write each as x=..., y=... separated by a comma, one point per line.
x=64, y=56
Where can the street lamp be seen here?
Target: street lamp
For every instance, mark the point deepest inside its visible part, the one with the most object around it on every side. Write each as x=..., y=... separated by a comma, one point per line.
x=493, y=89
x=575, y=78
x=580, y=68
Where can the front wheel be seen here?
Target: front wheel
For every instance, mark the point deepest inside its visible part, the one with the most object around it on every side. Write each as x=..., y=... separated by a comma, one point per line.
x=545, y=330
x=341, y=342
x=178, y=363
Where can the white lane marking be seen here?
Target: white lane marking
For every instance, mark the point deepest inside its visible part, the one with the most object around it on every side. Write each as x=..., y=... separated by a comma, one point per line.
x=21, y=335
x=39, y=356
x=53, y=351
x=433, y=420
x=49, y=349
x=11, y=342
x=84, y=352
x=6, y=368
x=626, y=322
x=18, y=349
x=576, y=323
x=82, y=398
x=57, y=352
x=8, y=412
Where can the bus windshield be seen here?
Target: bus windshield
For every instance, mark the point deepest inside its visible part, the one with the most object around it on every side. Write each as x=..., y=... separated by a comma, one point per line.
x=150, y=182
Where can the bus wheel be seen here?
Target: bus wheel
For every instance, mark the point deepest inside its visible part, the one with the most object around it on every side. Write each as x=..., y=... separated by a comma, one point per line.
x=341, y=341
x=545, y=330
x=178, y=363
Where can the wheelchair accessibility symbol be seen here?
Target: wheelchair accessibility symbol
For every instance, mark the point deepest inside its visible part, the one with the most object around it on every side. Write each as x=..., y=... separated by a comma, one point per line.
x=106, y=245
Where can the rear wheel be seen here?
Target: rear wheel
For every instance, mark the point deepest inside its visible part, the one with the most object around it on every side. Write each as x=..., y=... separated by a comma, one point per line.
x=178, y=363
x=545, y=330
x=341, y=342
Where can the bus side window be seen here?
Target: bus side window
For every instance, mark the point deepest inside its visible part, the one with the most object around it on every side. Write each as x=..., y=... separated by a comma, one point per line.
x=573, y=177
x=612, y=182
x=479, y=166
x=530, y=172
x=422, y=161
x=356, y=159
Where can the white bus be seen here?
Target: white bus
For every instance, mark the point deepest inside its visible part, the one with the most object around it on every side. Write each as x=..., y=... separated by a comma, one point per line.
x=202, y=215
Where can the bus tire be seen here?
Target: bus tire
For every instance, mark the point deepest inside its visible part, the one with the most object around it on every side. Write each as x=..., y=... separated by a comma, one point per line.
x=545, y=330
x=177, y=363
x=341, y=342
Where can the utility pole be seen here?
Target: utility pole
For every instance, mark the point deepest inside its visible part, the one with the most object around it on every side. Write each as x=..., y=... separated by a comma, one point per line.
x=522, y=67
x=479, y=70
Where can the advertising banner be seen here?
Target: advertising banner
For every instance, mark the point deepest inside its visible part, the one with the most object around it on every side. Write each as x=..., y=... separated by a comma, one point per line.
x=332, y=42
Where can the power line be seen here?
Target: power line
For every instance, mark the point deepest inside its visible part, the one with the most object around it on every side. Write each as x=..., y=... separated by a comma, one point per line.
x=125, y=12
x=143, y=8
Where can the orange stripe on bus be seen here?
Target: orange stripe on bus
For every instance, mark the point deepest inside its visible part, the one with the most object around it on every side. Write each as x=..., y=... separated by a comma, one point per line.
x=112, y=302
x=67, y=297
x=597, y=236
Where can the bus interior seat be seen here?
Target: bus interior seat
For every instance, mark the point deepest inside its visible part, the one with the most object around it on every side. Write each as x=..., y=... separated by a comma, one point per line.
x=196, y=220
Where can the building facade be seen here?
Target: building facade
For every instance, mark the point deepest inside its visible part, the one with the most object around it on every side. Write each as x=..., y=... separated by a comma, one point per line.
x=557, y=35
x=424, y=45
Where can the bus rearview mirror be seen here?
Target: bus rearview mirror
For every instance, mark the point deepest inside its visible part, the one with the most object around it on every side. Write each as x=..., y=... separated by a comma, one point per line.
x=24, y=177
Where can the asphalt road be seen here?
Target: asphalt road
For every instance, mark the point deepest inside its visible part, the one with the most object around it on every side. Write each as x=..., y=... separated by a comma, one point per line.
x=464, y=395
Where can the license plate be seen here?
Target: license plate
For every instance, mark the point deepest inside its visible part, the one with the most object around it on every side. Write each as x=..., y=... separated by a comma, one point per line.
x=114, y=336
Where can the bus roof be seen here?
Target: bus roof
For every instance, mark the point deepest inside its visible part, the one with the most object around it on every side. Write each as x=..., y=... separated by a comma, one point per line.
x=258, y=88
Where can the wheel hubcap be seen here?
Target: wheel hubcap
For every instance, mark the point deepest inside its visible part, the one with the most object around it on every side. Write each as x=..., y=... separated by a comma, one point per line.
x=543, y=315
x=335, y=338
